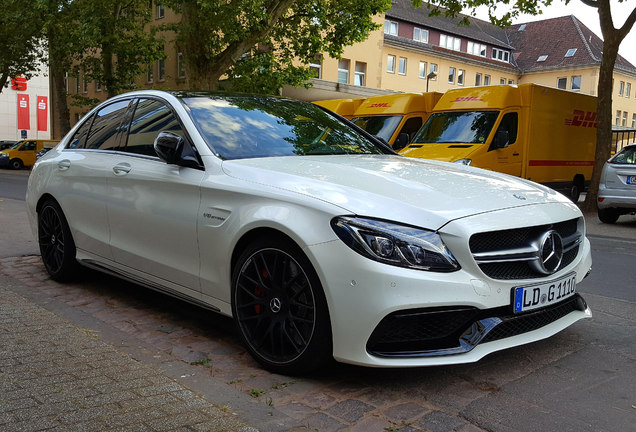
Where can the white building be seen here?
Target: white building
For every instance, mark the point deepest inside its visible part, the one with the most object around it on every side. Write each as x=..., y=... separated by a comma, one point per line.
x=34, y=99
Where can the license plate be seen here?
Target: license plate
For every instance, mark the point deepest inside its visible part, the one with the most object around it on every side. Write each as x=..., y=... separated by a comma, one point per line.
x=631, y=180
x=540, y=295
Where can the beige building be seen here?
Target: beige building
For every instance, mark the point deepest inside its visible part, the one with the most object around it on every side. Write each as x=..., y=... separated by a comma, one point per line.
x=413, y=52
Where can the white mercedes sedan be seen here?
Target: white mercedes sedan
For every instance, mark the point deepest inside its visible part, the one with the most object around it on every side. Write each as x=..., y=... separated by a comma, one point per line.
x=314, y=236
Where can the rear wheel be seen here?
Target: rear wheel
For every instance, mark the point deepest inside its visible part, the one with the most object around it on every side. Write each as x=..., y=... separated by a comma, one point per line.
x=16, y=164
x=608, y=215
x=279, y=307
x=56, y=242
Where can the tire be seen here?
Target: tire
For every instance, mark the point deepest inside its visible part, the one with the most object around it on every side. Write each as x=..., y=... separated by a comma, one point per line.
x=16, y=164
x=575, y=192
x=279, y=307
x=608, y=215
x=56, y=242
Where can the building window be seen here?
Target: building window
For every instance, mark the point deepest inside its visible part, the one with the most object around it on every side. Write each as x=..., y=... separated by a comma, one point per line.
x=181, y=66
x=501, y=55
x=511, y=82
x=422, y=69
x=476, y=49
x=77, y=84
x=85, y=85
x=477, y=79
x=562, y=83
x=360, y=73
x=450, y=42
x=633, y=121
x=161, y=12
x=576, y=83
x=542, y=58
x=502, y=80
x=460, y=77
x=316, y=66
x=420, y=35
x=150, y=75
x=628, y=89
x=98, y=86
x=486, y=79
x=391, y=27
x=570, y=52
x=433, y=68
x=343, y=71
x=390, y=64
x=451, y=75
x=618, y=118
x=624, y=118
x=402, y=66
x=621, y=88
x=161, y=70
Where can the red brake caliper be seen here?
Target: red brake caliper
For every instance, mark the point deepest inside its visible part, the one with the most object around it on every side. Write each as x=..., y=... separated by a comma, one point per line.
x=259, y=292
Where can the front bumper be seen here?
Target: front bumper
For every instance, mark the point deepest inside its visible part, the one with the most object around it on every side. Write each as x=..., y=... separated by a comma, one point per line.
x=4, y=162
x=386, y=316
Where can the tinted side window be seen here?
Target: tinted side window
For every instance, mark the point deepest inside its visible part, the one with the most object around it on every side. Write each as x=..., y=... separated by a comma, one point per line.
x=79, y=137
x=103, y=133
x=29, y=145
x=509, y=123
x=150, y=118
x=411, y=126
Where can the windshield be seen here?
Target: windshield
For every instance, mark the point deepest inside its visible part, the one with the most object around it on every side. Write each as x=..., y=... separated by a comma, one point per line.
x=238, y=127
x=380, y=126
x=457, y=127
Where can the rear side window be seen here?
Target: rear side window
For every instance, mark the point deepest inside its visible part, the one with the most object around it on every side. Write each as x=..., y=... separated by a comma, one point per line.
x=150, y=118
x=106, y=124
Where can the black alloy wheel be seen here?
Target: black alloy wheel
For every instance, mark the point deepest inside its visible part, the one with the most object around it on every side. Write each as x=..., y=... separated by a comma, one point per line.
x=56, y=242
x=280, y=309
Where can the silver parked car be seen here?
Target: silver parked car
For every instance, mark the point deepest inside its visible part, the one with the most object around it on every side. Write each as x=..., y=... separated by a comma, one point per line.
x=617, y=190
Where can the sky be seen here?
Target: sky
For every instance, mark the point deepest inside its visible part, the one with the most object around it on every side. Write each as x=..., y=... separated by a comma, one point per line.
x=588, y=16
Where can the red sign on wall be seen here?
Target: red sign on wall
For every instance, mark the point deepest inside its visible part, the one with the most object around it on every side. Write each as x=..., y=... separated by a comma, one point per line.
x=43, y=113
x=24, y=119
x=19, y=83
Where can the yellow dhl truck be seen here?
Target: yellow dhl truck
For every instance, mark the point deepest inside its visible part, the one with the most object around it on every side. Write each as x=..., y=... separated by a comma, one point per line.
x=345, y=107
x=539, y=133
x=395, y=118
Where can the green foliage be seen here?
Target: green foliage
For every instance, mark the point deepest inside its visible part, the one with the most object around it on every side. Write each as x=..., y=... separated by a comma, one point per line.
x=261, y=45
x=21, y=23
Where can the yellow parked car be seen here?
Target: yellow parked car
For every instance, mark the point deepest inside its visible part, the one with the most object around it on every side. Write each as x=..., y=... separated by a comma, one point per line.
x=23, y=153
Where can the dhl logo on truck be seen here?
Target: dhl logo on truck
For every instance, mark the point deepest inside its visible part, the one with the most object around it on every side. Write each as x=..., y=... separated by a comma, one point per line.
x=582, y=119
x=380, y=105
x=468, y=99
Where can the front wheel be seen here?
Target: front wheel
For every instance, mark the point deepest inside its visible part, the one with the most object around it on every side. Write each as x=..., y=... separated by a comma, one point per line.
x=16, y=164
x=56, y=242
x=608, y=215
x=279, y=307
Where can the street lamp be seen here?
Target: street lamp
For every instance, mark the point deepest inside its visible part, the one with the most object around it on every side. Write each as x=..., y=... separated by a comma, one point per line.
x=429, y=77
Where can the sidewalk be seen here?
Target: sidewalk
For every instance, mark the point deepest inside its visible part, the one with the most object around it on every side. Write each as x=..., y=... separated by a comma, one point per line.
x=56, y=376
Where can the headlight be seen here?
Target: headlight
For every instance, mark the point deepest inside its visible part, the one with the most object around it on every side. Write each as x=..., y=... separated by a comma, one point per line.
x=464, y=161
x=398, y=245
x=3, y=155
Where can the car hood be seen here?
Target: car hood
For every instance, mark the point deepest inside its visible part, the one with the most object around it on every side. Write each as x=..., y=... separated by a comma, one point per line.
x=415, y=191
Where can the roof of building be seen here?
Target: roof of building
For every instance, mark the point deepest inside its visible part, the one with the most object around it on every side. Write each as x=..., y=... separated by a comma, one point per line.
x=478, y=30
x=554, y=38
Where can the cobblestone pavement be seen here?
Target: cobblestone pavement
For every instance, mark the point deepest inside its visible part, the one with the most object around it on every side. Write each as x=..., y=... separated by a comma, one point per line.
x=55, y=376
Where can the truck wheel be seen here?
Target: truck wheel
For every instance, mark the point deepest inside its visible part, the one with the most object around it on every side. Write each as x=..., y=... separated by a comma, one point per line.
x=16, y=164
x=608, y=215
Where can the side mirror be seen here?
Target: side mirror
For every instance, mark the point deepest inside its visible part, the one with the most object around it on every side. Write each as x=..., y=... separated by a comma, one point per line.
x=500, y=141
x=401, y=141
x=174, y=150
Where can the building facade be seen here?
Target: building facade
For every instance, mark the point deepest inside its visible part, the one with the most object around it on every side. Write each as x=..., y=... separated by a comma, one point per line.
x=24, y=109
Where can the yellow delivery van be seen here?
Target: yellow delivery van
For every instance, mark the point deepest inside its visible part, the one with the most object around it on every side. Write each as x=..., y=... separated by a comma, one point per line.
x=539, y=133
x=345, y=107
x=23, y=153
x=395, y=118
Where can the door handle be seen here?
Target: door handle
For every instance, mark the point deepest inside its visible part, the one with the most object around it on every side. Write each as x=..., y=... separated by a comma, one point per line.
x=63, y=165
x=121, y=169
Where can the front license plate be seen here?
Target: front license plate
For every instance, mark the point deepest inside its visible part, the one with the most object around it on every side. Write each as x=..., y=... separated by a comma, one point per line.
x=631, y=180
x=540, y=295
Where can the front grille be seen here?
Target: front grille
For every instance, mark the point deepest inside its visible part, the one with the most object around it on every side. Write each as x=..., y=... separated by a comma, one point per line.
x=443, y=331
x=506, y=254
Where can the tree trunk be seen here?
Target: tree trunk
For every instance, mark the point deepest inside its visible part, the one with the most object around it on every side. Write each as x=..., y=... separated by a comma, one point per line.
x=61, y=104
x=3, y=81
